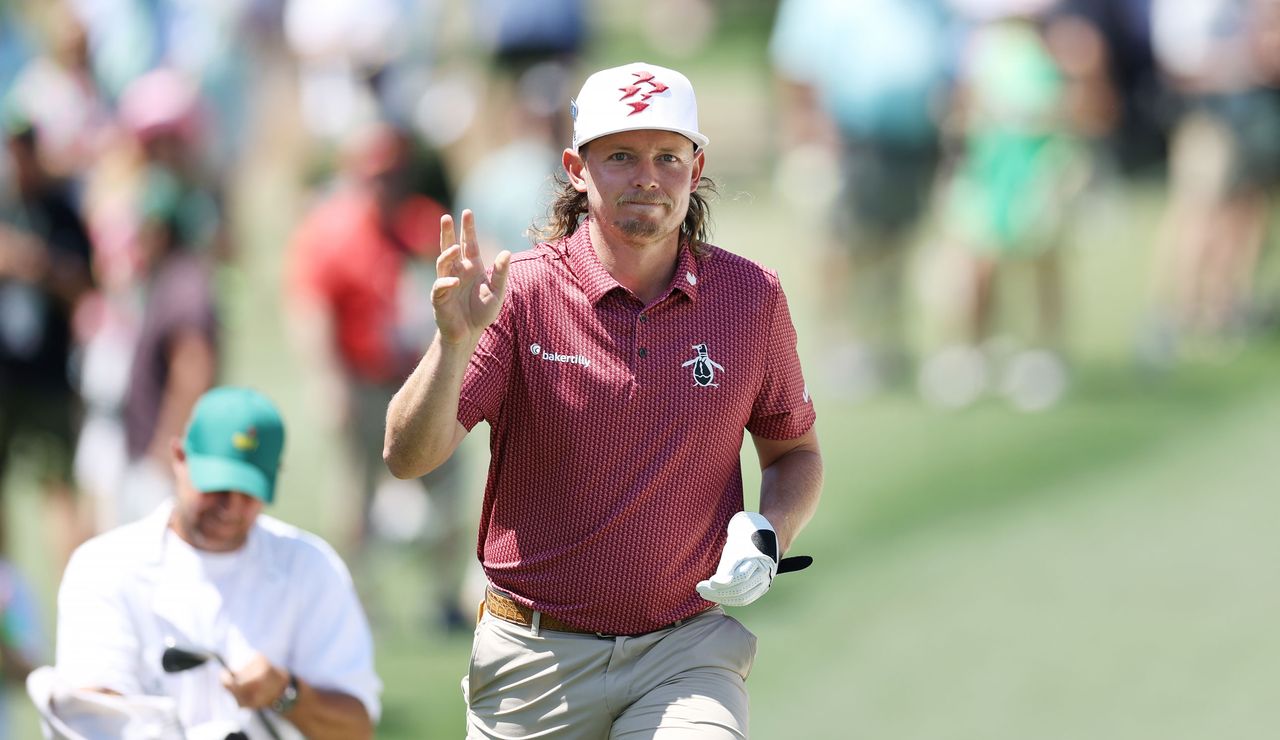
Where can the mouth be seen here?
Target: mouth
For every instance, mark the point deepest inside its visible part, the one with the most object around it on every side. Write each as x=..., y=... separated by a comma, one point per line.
x=643, y=203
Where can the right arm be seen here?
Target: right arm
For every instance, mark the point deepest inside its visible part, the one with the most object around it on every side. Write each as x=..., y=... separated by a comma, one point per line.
x=422, y=420
x=97, y=644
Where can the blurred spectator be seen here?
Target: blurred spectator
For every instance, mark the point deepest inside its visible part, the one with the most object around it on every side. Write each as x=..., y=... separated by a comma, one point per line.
x=165, y=113
x=512, y=184
x=542, y=39
x=58, y=93
x=361, y=270
x=44, y=271
x=176, y=356
x=1007, y=204
x=865, y=82
x=156, y=215
x=1137, y=139
x=207, y=41
x=346, y=50
x=21, y=639
x=1219, y=58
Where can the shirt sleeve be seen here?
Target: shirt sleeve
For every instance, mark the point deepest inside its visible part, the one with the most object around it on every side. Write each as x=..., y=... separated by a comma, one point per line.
x=485, y=384
x=333, y=646
x=782, y=409
x=97, y=645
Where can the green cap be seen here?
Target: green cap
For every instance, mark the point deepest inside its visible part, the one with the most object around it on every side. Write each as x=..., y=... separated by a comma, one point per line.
x=234, y=442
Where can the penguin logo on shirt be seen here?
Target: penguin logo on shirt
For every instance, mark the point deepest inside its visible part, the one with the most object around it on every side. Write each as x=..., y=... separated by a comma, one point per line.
x=704, y=368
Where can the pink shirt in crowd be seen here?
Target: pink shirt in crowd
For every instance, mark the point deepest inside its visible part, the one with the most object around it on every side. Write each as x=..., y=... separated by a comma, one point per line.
x=616, y=429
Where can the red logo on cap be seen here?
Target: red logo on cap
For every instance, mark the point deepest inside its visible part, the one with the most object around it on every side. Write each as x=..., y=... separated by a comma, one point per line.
x=632, y=90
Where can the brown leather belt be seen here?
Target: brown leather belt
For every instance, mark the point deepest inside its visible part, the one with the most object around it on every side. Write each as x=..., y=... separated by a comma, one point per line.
x=504, y=607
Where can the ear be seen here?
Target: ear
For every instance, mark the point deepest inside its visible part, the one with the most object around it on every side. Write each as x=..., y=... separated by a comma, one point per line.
x=699, y=161
x=575, y=166
x=178, y=456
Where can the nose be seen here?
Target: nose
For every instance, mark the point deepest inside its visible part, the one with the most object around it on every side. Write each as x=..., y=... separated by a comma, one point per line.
x=646, y=175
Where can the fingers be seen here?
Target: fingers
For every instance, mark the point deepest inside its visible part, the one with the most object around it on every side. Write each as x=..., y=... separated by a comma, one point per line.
x=470, y=244
x=257, y=684
x=447, y=236
x=441, y=288
x=446, y=263
x=501, y=269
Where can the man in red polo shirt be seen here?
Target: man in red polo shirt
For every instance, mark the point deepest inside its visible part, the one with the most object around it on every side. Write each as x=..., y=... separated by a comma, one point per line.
x=618, y=364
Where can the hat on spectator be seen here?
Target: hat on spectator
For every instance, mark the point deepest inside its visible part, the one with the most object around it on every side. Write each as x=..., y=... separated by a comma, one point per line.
x=234, y=442
x=635, y=97
x=159, y=103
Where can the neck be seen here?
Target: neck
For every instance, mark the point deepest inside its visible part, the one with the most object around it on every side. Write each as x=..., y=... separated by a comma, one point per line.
x=642, y=266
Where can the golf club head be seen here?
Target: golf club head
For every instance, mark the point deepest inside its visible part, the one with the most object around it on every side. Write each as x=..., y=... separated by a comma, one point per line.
x=794, y=563
x=176, y=659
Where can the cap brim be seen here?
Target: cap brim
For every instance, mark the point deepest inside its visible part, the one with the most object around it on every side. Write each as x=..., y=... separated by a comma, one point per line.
x=220, y=474
x=699, y=141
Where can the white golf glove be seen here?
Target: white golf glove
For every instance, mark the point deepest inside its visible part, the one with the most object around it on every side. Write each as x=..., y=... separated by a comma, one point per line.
x=747, y=565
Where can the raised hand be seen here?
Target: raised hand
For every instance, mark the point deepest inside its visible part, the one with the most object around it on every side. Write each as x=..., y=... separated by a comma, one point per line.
x=466, y=297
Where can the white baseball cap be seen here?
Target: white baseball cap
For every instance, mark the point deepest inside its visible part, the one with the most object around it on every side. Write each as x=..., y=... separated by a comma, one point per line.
x=635, y=97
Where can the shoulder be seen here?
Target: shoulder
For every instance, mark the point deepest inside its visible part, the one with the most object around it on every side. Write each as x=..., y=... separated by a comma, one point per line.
x=297, y=551
x=542, y=265
x=542, y=258
x=730, y=270
x=117, y=553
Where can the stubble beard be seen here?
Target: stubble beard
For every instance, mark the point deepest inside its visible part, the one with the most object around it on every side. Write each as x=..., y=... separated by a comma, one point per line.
x=640, y=228
x=644, y=228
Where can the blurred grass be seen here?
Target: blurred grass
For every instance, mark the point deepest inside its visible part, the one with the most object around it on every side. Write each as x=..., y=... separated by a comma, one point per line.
x=1104, y=570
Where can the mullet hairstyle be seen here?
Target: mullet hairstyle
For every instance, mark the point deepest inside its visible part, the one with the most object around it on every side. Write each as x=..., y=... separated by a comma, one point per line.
x=570, y=206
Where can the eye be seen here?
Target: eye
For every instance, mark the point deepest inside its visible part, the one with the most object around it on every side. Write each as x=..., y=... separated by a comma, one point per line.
x=668, y=158
x=618, y=157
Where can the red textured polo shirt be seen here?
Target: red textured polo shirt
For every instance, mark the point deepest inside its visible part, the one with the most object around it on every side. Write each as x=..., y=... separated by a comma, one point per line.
x=616, y=428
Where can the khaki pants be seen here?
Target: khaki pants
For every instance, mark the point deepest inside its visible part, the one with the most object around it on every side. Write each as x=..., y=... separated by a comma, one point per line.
x=680, y=683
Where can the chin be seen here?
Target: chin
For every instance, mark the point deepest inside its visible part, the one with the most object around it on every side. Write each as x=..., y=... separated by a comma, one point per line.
x=641, y=228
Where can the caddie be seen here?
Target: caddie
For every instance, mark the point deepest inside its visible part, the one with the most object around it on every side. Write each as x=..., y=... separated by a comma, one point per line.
x=208, y=571
x=618, y=364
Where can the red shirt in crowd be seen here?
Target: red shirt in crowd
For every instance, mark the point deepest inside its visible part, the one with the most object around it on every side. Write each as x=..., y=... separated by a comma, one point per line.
x=343, y=258
x=616, y=428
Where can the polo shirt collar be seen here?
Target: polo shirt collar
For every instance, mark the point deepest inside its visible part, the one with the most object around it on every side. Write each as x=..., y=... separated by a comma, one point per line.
x=596, y=281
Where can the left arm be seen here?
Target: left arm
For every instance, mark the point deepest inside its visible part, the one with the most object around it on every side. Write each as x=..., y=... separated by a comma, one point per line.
x=318, y=714
x=790, y=484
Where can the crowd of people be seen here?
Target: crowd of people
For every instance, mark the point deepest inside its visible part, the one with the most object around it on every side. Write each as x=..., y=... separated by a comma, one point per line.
x=965, y=134
x=969, y=137
x=127, y=128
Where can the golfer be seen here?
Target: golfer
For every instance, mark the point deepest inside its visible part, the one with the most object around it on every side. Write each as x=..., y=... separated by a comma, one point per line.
x=209, y=571
x=617, y=364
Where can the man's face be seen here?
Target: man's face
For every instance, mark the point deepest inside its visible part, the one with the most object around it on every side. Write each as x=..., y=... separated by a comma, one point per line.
x=637, y=182
x=218, y=521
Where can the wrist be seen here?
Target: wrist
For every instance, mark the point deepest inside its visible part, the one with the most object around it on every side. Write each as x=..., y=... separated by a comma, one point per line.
x=463, y=345
x=288, y=698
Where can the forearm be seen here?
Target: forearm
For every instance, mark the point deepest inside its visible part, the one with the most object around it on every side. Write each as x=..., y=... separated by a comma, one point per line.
x=422, y=419
x=321, y=714
x=789, y=491
x=191, y=373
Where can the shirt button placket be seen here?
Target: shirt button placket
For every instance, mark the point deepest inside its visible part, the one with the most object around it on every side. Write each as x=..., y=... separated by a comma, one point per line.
x=643, y=352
